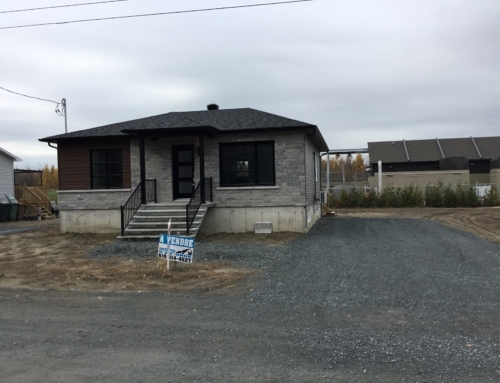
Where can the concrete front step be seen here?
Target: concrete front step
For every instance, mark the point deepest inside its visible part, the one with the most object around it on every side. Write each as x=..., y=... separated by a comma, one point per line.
x=145, y=237
x=156, y=232
x=151, y=220
x=161, y=225
x=169, y=213
x=163, y=218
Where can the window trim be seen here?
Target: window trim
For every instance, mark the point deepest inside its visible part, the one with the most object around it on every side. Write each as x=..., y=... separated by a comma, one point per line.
x=255, y=144
x=91, y=157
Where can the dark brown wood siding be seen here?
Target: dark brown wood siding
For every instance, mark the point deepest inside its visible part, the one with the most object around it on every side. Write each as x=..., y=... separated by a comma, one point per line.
x=74, y=161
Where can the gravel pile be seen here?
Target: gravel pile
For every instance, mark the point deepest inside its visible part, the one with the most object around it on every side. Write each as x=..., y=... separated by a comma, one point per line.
x=372, y=295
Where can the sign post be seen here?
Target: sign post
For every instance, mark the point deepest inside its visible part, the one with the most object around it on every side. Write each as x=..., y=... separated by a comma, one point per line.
x=175, y=248
x=168, y=240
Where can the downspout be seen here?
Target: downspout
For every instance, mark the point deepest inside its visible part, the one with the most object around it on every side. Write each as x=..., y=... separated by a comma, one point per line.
x=305, y=172
x=55, y=147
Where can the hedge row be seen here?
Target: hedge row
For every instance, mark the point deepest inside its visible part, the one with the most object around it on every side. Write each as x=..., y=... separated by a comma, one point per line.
x=412, y=196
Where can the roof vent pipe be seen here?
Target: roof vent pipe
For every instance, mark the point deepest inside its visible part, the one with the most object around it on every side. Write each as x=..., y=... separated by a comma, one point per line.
x=477, y=149
x=406, y=150
x=212, y=107
x=440, y=148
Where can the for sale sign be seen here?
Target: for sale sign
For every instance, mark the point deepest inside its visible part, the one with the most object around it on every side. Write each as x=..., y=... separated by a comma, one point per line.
x=175, y=248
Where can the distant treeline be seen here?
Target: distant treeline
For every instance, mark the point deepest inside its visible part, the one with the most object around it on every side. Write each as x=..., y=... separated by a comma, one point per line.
x=47, y=177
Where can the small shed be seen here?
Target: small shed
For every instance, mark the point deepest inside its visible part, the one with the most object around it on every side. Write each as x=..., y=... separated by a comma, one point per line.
x=7, y=173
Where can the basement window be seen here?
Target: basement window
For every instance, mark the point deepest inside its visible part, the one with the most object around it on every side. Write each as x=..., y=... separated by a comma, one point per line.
x=247, y=164
x=106, y=170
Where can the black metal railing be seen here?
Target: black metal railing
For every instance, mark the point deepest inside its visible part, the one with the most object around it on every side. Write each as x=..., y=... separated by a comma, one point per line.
x=202, y=194
x=135, y=201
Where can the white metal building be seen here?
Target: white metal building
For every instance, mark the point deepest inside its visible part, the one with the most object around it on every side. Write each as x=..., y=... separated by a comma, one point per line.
x=7, y=173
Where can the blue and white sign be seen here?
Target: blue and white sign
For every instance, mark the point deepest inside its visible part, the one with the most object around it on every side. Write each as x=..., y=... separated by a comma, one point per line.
x=179, y=249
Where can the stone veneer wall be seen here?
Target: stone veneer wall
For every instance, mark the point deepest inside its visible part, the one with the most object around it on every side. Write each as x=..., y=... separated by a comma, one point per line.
x=289, y=167
x=282, y=204
x=159, y=162
x=91, y=211
x=98, y=199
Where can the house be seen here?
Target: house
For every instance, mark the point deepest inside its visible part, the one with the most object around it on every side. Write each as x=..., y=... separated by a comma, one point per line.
x=216, y=170
x=452, y=160
x=7, y=173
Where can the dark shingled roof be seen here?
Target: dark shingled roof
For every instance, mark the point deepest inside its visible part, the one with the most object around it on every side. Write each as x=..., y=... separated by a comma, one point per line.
x=220, y=120
x=428, y=150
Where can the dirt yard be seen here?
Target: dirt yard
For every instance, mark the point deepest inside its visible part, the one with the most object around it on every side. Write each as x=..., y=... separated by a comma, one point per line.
x=46, y=259
x=43, y=258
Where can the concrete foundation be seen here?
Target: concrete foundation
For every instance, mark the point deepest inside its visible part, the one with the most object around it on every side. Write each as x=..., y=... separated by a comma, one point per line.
x=242, y=219
x=90, y=221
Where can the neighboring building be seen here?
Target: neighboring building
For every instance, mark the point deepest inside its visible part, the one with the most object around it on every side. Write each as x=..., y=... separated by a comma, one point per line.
x=451, y=160
x=264, y=168
x=7, y=173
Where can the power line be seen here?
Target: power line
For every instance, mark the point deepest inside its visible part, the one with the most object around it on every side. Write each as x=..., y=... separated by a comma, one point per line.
x=156, y=14
x=63, y=6
x=24, y=95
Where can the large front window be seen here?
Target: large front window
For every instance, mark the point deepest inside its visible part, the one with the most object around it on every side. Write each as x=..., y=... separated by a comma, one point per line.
x=247, y=164
x=106, y=168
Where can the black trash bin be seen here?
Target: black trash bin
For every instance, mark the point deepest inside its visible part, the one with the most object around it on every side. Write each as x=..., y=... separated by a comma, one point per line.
x=4, y=211
x=14, y=205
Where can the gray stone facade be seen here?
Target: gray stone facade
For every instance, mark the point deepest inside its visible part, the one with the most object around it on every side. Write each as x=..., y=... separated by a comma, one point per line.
x=109, y=199
x=158, y=155
x=289, y=166
x=236, y=208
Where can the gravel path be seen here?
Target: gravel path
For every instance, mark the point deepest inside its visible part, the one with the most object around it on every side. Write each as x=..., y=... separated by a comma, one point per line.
x=356, y=300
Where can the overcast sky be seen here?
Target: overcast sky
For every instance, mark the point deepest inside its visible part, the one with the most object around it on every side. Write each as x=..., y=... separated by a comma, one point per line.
x=362, y=70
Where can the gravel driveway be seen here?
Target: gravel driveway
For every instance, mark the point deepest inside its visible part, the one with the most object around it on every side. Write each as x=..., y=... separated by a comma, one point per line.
x=357, y=300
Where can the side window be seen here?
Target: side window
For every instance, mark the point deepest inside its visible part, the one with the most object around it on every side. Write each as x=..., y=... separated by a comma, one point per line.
x=106, y=169
x=247, y=163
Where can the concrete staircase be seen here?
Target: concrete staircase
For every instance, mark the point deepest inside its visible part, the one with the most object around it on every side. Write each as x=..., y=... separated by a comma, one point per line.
x=151, y=220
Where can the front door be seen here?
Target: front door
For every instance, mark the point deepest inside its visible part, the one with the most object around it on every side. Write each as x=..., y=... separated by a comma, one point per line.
x=183, y=171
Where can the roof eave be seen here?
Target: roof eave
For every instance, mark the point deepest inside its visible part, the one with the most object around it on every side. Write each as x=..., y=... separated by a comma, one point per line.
x=56, y=139
x=10, y=155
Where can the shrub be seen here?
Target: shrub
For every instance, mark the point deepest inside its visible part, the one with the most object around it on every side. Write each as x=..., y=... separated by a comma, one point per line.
x=449, y=197
x=411, y=196
x=372, y=198
x=434, y=195
x=344, y=199
x=491, y=197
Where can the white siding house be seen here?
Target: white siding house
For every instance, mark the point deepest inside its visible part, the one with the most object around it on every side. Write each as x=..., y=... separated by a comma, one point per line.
x=7, y=173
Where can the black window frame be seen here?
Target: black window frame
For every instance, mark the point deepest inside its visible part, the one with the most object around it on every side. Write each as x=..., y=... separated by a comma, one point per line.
x=107, y=162
x=255, y=144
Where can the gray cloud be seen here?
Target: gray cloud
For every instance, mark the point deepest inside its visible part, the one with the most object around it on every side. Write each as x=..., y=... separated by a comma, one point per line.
x=361, y=70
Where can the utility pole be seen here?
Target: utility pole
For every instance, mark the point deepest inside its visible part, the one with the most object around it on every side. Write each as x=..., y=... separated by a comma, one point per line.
x=63, y=113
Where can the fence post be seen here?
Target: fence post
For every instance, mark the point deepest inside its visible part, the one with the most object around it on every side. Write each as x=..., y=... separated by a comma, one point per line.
x=187, y=219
